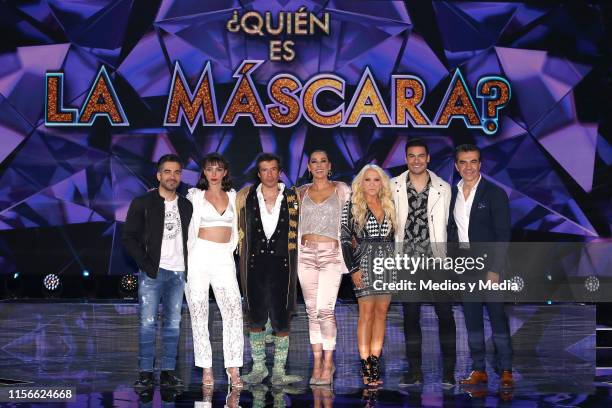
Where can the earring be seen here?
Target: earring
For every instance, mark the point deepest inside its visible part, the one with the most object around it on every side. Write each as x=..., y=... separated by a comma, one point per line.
x=329, y=174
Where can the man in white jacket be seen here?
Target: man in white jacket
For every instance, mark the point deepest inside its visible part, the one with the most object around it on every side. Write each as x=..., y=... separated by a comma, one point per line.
x=422, y=202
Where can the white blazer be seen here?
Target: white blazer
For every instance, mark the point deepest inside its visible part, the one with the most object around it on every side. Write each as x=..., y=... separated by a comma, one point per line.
x=438, y=203
x=196, y=196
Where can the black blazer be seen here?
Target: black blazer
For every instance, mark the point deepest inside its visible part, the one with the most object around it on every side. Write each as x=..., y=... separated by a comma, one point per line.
x=489, y=221
x=144, y=230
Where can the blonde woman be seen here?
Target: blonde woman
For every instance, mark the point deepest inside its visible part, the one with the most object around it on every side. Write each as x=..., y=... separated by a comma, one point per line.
x=368, y=219
x=320, y=265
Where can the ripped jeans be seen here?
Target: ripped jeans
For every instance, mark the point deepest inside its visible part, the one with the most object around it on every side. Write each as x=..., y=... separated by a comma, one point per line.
x=168, y=287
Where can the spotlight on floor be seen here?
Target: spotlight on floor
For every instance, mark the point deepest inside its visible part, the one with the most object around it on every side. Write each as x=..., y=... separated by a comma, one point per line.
x=52, y=285
x=128, y=286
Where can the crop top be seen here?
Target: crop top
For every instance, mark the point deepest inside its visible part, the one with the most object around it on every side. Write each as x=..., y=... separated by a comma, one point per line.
x=211, y=217
x=321, y=218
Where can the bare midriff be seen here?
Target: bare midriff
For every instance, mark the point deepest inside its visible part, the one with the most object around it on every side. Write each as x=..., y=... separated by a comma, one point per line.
x=221, y=235
x=316, y=238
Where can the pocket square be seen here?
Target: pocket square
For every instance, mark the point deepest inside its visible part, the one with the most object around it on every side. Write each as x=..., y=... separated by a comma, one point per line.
x=481, y=205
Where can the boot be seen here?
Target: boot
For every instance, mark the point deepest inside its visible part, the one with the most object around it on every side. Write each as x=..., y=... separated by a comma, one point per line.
x=365, y=371
x=269, y=331
x=281, y=349
x=259, y=371
x=259, y=392
x=375, y=369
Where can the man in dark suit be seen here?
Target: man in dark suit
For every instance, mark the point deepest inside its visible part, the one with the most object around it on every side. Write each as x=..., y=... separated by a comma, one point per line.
x=479, y=212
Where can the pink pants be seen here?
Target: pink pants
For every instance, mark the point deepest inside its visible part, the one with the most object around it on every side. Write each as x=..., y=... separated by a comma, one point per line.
x=320, y=274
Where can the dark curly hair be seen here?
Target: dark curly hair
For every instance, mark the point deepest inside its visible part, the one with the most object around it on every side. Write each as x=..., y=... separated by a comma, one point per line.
x=264, y=157
x=215, y=159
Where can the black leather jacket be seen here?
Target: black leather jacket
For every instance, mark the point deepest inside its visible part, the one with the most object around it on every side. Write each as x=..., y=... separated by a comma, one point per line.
x=144, y=229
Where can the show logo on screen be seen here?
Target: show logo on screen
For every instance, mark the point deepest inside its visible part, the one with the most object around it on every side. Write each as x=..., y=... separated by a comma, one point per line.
x=289, y=99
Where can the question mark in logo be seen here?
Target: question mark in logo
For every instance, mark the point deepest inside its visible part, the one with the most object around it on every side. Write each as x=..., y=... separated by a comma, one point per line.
x=495, y=95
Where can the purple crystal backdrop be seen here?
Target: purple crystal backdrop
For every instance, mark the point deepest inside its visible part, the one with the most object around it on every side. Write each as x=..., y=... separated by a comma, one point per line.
x=64, y=192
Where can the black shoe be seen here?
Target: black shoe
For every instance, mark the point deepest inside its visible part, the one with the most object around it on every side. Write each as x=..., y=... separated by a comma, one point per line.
x=414, y=377
x=145, y=380
x=448, y=378
x=145, y=396
x=168, y=379
x=365, y=371
x=375, y=370
x=169, y=394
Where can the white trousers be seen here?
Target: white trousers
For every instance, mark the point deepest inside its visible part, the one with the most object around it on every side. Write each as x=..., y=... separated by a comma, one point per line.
x=212, y=264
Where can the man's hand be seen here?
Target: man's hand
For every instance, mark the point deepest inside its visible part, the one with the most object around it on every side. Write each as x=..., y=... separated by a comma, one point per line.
x=493, y=277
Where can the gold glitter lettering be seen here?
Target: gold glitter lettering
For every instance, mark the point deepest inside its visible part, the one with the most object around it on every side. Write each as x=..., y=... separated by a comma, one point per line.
x=503, y=95
x=367, y=102
x=286, y=108
x=457, y=103
x=55, y=113
x=244, y=100
x=246, y=67
x=309, y=94
x=101, y=101
x=180, y=99
x=411, y=103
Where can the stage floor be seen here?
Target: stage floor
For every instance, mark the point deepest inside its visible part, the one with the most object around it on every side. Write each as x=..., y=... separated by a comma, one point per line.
x=93, y=347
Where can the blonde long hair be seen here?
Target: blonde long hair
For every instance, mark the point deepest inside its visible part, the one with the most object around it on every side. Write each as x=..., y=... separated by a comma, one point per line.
x=360, y=207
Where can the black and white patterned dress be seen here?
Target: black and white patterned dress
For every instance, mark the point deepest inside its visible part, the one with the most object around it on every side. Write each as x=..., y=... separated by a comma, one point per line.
x=374, y=240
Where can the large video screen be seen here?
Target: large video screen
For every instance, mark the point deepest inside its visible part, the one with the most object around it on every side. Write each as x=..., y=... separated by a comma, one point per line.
x=93, y=93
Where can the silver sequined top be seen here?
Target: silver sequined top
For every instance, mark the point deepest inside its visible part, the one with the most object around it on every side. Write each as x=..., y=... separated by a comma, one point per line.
x=321, y=219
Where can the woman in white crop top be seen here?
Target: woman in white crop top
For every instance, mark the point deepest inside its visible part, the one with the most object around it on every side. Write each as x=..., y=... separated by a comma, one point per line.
x=213, y=235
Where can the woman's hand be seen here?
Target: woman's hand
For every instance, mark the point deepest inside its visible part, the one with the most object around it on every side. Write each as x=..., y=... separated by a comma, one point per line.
x=356, y=277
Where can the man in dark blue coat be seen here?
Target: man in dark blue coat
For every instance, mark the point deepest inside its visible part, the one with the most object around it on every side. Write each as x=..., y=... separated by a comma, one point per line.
x=480, y=213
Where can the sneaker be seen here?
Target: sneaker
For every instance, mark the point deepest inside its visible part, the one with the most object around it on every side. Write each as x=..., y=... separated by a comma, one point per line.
x=168, y=379
x=145, y=380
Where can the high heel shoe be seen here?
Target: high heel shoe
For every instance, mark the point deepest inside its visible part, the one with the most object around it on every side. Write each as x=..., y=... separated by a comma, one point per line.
x=207, y=394
x=207, y=377
x=318, y=368
x=233, y=398
x=330, y=381
x=314, y=380
x=375, y=370
x=365, y=371
x=237, y=382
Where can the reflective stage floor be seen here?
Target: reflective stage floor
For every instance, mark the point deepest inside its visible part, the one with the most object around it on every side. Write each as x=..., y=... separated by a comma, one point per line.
x=93, y=347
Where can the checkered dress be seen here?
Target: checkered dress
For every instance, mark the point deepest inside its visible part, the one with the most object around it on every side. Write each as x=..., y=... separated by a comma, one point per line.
x=374, y=240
